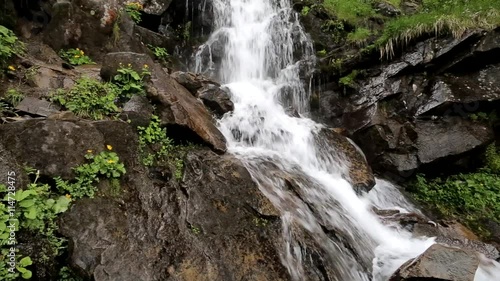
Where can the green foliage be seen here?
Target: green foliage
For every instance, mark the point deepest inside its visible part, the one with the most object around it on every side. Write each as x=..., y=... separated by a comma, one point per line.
x=129, y=81
x=157, y=136
x=75, y=57
x=305, y=10
x=89, y=98
x=134, y=11
x=9, y=46
x=103, y=165
x=195, y=230
x=440, y=16
x=66, y=274
x=321, y=53
x=21, y=264
x=472, y=197
x=348, y=81
x=492, y=159
x=359, y=36
x=351, y=11
x=160, y=53
x=157, y=149
x=186, y=31
x=14, y=96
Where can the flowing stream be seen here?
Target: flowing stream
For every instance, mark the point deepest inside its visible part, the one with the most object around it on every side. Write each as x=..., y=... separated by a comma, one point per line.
x=264, y=52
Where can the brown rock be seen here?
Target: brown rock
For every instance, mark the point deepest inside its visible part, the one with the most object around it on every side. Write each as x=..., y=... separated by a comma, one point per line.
x=359, y=173
x=439, y=263
x=184, y=109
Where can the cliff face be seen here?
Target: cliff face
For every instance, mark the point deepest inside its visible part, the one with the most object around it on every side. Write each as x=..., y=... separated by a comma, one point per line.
x=195, y=213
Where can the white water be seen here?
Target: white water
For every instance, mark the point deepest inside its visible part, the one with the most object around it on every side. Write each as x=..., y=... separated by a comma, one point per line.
x=303, y=177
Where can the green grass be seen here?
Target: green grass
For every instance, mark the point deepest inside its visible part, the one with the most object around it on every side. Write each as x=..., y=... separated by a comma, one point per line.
x=440, y=17
x=359, y=36
x=351, y=11
x=434, y=17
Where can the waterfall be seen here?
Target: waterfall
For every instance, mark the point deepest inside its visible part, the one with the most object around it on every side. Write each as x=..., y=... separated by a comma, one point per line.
x=264, y=54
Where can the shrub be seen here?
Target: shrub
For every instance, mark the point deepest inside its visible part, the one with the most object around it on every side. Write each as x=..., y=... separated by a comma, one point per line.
x=9, y=46
x=89, y=98
x=472, y=197
x=75, y=57
x=14, y=96
x=103, y=165
x=129, y=81
x=134, y=11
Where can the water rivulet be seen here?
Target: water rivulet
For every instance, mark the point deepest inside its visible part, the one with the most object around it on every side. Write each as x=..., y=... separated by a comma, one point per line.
x=270, y=132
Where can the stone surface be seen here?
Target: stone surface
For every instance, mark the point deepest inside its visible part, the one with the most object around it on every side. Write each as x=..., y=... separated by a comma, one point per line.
x=358, y=172
x=113, y=61
x=138, y=110
x=37, y=107
x=183, y=109
x=439, y=263
x=216, y=99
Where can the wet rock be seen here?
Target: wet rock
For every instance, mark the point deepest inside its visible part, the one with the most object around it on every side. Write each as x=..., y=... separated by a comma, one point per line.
x=217, y=99
x=208, y=228
x=113, y=61
x=156, y=7
x=54, y=147
x=387, y=9
x=451, y=136
x=37, y=107
x=183, y=109
x=138, y=110
x=440, y=263
x=358, y=173
x=192, y=81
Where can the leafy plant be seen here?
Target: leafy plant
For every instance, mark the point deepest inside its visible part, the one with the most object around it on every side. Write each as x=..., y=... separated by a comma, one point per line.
x=14, y=96
x=321, y=53
x=129, y=81
x=9, y=46
x=305, y=11
x=351, y=11
x=75, y=57
x=471, y=197
x=134, y=9
x=21, y=264
x=89, y=98
x=157, y=149
x=160, y=53
x=66, y=274
x=348, y=80
x=105, y=164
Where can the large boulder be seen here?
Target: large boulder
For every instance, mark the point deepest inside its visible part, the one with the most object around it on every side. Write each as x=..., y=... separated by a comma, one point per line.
x=359, y=173
x=182, y=109
x=440, y=263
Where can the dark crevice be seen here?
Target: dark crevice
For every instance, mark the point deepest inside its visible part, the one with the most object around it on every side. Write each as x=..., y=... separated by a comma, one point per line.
x=151, y=22
x=182, y=135
x=33, y=10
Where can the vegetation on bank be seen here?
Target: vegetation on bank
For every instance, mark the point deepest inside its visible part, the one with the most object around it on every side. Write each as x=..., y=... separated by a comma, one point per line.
x=473, y=198
x=358, y=20
x=9, y=46
x=36, y=208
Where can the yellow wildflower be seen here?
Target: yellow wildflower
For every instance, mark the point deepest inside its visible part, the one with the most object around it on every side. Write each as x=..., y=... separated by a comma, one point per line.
x=89, y=150
x=129, y=65
x=77, y=56
x=11, y=68
x=109, y=147
x=68, y=196
x=111, y=161
x=82, y=53
x=77, y=49
x=146, y=66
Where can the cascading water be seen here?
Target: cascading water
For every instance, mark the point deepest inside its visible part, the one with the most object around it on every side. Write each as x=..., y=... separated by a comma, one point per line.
x=303, y=177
